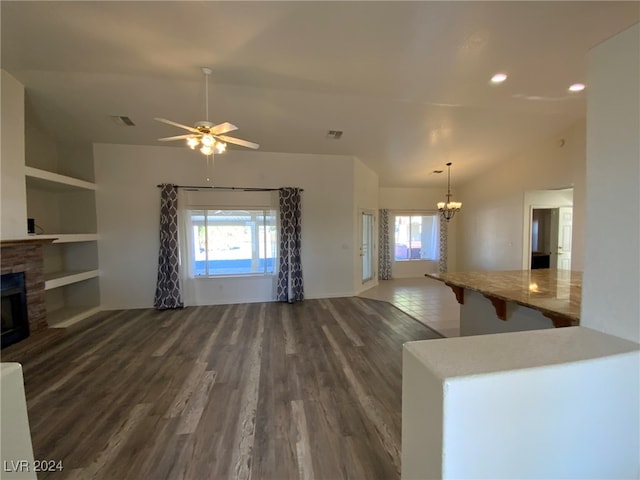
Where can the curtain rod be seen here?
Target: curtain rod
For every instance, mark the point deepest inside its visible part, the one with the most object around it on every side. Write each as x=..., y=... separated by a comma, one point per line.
x=244, y=189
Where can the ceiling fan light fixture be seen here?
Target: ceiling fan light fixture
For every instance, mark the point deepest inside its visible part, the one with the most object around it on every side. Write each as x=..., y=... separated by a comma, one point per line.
x=207, y=140
x=220, y=147
x=205, y=134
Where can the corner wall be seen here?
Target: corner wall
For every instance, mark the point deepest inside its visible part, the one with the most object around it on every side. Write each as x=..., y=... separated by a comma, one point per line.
x=13, y=192
x=610, y=300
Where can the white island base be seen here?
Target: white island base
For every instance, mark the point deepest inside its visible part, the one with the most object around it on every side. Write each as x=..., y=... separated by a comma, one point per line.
x=478, y=317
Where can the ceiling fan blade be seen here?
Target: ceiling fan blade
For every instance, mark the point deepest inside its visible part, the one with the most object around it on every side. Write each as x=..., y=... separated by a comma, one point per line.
x=223, y=128
x=179, y=125
x=237, y=141
x=177, y=137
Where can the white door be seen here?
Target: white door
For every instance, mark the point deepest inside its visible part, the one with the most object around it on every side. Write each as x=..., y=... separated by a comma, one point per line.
x=367, y=247
x=565, y=227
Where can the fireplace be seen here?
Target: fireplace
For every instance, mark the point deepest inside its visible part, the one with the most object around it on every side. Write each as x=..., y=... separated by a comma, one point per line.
x=15, y=321
x=23, y=257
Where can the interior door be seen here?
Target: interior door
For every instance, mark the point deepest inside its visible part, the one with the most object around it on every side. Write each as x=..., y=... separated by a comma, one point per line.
x=565, y=227
x=367, y=246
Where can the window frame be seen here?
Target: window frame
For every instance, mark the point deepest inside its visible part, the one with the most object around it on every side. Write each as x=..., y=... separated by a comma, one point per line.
x=415, y=213
x=205, y=211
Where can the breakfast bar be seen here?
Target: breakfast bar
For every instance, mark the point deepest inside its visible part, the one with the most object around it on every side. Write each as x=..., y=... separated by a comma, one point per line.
x=515, y=300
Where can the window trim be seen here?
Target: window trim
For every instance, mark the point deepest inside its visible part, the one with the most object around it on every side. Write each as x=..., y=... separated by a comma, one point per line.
x=414, y=213
x=262, y=210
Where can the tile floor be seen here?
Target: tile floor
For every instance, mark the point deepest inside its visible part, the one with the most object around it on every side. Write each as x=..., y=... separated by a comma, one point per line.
x=427, y=300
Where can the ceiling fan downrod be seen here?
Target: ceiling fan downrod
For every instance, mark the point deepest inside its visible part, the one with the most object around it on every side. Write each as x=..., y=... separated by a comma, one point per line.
x=207, y=73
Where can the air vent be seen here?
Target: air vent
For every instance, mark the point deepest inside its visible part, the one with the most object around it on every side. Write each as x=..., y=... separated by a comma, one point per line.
x=334, y=134
x=122, y=120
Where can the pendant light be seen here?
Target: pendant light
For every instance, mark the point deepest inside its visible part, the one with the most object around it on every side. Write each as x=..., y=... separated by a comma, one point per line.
x=448, y=209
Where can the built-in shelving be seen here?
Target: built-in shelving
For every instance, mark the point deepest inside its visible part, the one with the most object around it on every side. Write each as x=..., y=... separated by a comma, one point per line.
x=60, y=279
x=64, y=207
x=70, y=237
x=54, y=181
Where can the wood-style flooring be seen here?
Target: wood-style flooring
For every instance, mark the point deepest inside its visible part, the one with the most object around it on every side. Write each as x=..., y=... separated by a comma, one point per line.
x=262, y=391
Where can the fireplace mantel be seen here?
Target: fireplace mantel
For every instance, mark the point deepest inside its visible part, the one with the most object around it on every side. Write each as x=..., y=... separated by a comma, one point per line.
x=15, y=242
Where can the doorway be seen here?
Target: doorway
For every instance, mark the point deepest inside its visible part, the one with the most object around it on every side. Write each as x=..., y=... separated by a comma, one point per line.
x=367, y=224
x=548, y=231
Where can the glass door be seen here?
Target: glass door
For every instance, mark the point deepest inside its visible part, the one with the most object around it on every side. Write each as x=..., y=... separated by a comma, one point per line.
x=366, y=249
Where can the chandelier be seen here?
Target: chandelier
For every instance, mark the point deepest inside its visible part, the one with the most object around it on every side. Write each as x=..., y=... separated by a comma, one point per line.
x=449, y=209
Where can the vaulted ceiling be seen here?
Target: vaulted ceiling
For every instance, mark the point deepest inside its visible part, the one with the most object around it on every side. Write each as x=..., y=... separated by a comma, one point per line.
x=407, y=82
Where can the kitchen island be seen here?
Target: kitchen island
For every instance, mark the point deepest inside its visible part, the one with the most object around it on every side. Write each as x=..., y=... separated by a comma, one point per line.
x=515, y=300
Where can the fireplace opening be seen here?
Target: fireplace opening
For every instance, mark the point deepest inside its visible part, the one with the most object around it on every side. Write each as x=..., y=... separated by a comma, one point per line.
x=15, y=321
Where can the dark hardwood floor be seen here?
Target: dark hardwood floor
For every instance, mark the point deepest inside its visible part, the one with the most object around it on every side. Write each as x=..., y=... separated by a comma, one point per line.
x=265, y=390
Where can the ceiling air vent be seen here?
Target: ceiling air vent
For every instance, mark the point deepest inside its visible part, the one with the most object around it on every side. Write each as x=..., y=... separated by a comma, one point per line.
x=334, y=134
x=122, y=120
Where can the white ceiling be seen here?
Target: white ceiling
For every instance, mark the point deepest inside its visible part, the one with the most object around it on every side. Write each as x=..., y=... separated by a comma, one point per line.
x=407, y=82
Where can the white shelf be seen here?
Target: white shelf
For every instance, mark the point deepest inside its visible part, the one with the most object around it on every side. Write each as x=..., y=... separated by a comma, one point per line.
x=54, y=181
x=60, y=279
x=67, y=316
x=68, y=237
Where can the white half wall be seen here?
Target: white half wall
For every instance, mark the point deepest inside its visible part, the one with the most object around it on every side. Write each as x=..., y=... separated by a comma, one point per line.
x=128, y=204
x=13, y=192
x=543, y=404
x=491, y=225
x=610, y=299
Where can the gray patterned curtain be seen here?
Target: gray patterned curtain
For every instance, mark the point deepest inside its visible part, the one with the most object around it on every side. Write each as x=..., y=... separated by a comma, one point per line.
x=168, y=294
x=384, y=250
x=442, y=262
x=290, y=286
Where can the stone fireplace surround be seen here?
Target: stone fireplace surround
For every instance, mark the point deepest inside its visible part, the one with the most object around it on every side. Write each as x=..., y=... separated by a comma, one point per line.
x=27, y=255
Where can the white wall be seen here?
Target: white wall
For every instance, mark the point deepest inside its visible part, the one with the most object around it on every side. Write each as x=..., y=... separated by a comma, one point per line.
x=408, y=199
x=491, y=225
x=610, y=300
x=128, y=203
x=365, y=193
x=13, y=193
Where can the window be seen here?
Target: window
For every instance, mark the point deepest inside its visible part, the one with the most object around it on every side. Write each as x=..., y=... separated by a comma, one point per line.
x=416, y=237
x=232, y=242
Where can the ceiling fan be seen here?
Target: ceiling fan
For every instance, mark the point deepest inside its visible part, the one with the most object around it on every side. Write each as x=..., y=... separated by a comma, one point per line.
x=204, y=134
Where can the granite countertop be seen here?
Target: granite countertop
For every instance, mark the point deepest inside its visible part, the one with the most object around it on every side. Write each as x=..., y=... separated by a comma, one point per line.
x=557, y=292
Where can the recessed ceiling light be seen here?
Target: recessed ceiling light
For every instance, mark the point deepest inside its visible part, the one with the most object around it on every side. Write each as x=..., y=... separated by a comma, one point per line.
x=499, y=78
x=576, y=87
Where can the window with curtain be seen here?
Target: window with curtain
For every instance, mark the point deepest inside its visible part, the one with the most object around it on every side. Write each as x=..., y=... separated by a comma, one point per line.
x=232, y=242
x=416, y=236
